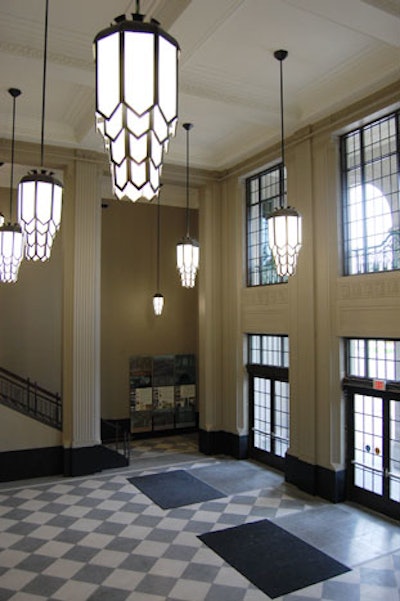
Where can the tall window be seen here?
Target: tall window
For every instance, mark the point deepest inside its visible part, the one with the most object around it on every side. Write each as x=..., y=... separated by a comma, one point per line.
x=371, y=196
x=263, y=193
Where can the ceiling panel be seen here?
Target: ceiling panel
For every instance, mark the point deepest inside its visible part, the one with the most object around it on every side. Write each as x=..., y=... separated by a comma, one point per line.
x=229, y=80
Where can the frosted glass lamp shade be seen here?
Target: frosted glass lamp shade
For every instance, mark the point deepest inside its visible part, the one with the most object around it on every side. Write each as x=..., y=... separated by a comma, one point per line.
x=39, y=212
x=285, y=239
x=158, y=303
x=136, y=102
x=11, y=251
x=187, y=261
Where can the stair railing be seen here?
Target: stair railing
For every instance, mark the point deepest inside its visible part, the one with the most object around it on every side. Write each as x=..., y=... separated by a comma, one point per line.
x=29, y=398
x=118, y=438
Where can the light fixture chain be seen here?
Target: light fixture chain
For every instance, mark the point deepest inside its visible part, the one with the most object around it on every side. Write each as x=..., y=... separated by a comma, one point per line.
x=44, y=82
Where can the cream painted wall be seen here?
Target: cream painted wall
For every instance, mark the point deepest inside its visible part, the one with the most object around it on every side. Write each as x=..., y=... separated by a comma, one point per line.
x=31, y=309
x=128, y=283
x=317, y=307
x=34, y=317
x=19, y=432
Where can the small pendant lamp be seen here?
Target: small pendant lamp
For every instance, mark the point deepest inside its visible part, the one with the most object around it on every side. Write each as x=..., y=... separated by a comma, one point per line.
x=187, y=250
x=284, y=225
x=40, y=193
x=11, y=236
x=136, y=101
x=158, y=299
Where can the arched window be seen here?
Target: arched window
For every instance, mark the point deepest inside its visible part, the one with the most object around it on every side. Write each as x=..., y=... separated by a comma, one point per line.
x=370, y=241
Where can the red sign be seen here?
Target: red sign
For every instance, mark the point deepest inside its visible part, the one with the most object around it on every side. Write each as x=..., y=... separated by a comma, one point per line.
x=379, y=384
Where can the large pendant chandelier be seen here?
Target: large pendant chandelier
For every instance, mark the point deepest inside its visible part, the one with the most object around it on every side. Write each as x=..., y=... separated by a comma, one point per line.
x=11, y=236
x=136, y=101
x=284, y=225
x=187, y=250
x=40, y=193
x=158, y=299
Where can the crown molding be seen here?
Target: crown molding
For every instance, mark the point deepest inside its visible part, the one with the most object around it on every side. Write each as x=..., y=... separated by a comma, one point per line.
x=53, y=57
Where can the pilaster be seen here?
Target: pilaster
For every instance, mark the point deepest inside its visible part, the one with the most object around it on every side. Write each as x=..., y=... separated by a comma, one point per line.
x=82, y=320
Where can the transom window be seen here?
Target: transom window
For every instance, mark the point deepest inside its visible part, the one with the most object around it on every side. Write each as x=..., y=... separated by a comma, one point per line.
x=269, y=350
x=371, y=197
x=370, y=358
x=263, y=194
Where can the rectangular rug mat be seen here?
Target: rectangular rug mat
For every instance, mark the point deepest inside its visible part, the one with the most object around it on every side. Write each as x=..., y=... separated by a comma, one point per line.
x=175, y=489
x=274, y=560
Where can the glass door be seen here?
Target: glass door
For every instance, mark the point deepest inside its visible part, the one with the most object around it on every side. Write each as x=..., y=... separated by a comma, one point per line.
x=374, y=449
x=269, y=419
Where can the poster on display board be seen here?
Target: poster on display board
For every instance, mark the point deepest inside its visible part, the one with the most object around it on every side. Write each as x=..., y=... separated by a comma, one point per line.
x=162, y=392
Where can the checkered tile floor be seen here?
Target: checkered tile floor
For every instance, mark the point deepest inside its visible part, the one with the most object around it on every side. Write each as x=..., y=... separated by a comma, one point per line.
x=98, y=538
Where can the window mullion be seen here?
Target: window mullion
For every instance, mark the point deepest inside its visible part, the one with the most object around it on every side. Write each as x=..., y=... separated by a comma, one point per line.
x=364, y=201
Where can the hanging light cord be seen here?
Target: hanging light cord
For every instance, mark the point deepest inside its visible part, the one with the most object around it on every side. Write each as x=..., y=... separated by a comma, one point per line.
x=282, y=128
x=14, y=94
x=44, y=83
x=188, y=127
x=187, y=182
x=280, y=55
x=158, y=244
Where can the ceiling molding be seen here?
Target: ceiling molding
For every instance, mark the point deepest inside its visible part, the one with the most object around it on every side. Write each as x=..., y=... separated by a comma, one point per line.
x=392, y=7
x=15, y=49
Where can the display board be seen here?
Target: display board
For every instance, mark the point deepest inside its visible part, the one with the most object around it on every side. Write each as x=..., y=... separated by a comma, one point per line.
x=162, y=392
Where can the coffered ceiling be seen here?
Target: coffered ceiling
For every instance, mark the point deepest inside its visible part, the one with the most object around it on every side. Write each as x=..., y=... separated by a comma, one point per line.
x=339, y=51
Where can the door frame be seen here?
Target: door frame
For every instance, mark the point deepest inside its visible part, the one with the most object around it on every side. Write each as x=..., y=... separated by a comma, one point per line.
x=381, y=503
x=271, y=373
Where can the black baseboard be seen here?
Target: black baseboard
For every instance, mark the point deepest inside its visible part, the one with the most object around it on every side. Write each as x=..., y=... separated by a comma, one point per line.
x=316, y=480
x=223, y=443
x=331, y=485
x=163, y=433
x=31, y=463
x=83, y=461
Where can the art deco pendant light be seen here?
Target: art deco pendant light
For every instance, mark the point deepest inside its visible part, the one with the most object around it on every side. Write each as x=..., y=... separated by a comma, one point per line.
x=284, y=225
x=11, y=236
x=158, y=299
x=136, y=101
x=40, y=193
x=187, y=250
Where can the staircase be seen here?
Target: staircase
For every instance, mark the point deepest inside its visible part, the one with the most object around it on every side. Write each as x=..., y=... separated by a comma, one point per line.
x=27, y=397
x=34, y=401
